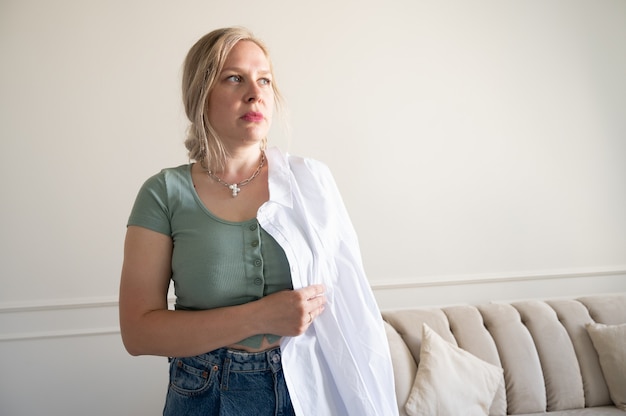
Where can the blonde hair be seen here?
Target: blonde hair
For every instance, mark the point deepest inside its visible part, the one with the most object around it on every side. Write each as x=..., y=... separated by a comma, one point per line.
x=203, y=64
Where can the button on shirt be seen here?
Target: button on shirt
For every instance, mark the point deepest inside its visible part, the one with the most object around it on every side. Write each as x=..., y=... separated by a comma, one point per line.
x=341, y=365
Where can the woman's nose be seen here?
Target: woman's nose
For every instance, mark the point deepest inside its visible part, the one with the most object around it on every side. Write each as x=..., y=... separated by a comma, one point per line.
x=253, y=98
x=253, y=94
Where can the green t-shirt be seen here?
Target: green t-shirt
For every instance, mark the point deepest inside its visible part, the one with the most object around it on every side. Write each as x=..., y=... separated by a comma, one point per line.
x=215, y=263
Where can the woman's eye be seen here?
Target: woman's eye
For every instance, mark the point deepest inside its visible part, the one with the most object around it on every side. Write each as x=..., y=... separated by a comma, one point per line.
x=265, y=81
x=234, y=78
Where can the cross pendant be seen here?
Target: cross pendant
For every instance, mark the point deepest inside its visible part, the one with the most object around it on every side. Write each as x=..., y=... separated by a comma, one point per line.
x=235, y=189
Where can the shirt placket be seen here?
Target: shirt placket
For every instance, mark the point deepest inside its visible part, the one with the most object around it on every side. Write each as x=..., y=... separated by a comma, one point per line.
x=253, y=260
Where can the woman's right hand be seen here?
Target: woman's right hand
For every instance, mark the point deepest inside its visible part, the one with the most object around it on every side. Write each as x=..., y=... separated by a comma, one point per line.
x=291, y=312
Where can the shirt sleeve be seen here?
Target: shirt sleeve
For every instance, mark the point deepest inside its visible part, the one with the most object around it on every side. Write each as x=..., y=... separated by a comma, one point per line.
x=151, y=209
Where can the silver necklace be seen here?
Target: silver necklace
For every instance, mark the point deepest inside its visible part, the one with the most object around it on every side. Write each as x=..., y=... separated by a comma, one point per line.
x=236, y=187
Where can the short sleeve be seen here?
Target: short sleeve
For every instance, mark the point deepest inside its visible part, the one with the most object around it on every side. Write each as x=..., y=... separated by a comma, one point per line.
x=151, y=209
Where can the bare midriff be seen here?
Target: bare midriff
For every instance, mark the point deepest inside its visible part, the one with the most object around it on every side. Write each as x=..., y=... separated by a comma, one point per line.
x=265, y=345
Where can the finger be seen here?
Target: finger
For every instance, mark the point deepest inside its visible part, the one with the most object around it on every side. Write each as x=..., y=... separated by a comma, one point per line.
x=315, y=313
x=314, y=291
x=316, y=302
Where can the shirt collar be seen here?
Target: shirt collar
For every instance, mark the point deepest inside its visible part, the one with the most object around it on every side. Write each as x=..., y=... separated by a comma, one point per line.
x=279, y=177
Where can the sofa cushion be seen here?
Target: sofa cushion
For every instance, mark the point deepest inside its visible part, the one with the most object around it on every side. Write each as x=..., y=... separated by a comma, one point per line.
x=525, y=386
x=408, y=323
x=561, y=373
x=587, y=411
x=451, y=381
x=404, y=366
x=469, y=330
x=573, y=315
x=610, y=343
x=608, y=309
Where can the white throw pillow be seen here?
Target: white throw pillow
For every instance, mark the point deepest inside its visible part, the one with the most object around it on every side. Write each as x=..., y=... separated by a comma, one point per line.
x=610, y=344
x=450, y=381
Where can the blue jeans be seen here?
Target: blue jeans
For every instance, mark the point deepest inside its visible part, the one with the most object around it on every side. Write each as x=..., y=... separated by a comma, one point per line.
x=227, y=383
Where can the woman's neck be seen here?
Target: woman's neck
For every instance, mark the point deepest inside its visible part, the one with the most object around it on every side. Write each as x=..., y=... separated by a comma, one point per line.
x=240, y=165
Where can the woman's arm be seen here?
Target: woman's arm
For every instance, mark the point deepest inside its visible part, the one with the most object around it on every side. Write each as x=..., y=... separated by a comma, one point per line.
x=149, y=328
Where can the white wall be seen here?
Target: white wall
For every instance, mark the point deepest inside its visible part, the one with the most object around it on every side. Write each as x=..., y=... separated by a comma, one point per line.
x=480, y=147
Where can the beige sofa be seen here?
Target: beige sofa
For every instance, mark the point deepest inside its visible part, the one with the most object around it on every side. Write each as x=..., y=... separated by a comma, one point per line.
x=519, y=358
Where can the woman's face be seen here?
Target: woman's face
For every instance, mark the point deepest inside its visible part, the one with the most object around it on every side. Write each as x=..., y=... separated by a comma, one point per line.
x=240, y=106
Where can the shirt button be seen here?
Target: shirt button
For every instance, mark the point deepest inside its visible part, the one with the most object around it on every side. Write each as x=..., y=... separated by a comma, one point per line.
x=255, y=244
x=258, y=262
x=253, y=227
x=258, y=281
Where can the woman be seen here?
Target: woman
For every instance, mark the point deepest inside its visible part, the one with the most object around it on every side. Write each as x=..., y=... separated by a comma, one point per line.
x=254, y=241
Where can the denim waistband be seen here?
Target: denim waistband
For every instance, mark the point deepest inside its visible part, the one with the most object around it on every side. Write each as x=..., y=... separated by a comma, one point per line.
x=244, y=361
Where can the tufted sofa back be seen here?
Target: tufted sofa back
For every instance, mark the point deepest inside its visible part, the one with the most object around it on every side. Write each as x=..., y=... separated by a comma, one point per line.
x=548, y=359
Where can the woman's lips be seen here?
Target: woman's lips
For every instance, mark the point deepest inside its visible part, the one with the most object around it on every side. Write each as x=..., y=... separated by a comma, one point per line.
x=252, y=116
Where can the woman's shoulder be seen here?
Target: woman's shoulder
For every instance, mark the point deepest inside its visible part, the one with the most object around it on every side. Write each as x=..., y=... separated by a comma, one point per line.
x=167, y=180
x=176, y=171
x=170, y=173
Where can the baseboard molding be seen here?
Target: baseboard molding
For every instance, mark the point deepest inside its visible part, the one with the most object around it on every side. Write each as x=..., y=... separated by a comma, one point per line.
x=87, y=317
x=407, y=293
x=62, y=304
x=57, y=304
x=461, y=280
x=60, y=318
x=84, y=332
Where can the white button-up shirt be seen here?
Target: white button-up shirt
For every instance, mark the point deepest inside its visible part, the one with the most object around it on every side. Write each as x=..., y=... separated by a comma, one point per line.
x=341, y=365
